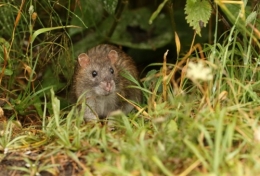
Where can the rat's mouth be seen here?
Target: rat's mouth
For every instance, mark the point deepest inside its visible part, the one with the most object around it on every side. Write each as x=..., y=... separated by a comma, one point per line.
x=106, y=94
x=103, y=92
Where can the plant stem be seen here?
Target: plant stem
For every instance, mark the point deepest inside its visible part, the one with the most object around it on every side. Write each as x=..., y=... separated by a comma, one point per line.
x=170, y=11
x=122, y=5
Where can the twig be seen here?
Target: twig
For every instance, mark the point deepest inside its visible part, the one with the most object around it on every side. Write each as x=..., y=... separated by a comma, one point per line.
x=164, y=72
x=122, y=5
x=18, y=17
x=170, y=11
x=5, y=64
x=146, y=115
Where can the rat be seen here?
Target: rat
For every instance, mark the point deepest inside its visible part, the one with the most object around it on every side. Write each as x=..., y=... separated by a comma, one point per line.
x=98, y=78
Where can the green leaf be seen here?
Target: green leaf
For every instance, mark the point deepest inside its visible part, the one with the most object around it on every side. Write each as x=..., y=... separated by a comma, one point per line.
x=43, y=30
x=6, y=45
x=134, y=31
x=234, y=14
x=159, y=163
x=251, y=17
x=172, y=127
x=55, y=102
x=87, y=15
x=7, y=72
x=155, y=14
x=198, y=14
x=50, y=80
x=110, y=5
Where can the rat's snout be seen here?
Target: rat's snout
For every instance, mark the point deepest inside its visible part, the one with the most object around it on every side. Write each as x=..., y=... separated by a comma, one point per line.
x=108, y=85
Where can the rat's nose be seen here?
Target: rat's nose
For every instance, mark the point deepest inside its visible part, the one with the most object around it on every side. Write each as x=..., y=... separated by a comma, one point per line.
x=108, y=86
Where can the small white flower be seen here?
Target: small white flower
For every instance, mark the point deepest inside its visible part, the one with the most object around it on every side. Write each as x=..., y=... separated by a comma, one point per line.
x=31, y=9
x=28, y=152
x=197, y=71
x=1, y=112
x=257, y=134
x=5, y=151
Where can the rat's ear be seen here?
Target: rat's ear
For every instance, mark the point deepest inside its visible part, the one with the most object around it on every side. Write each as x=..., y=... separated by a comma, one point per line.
x=113, y=56
x=83, y=60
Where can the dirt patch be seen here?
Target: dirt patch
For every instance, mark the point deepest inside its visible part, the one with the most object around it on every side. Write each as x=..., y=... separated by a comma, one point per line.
x=17, y=164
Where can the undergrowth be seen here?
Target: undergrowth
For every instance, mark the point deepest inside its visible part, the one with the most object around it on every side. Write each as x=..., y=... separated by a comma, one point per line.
x=204, y=122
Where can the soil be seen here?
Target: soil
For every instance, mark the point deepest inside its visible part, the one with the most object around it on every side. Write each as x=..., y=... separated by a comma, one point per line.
x=14, y=164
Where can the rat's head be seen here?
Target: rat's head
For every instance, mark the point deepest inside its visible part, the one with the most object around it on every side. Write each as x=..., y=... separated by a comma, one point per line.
x=98, y=72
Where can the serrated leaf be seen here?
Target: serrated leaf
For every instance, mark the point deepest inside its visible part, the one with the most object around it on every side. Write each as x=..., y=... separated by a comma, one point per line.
x=198, y=14
x=110, y=5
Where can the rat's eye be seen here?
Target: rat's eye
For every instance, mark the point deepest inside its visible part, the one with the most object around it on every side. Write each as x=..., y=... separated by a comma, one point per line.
x=94, y=73
x=111, y=70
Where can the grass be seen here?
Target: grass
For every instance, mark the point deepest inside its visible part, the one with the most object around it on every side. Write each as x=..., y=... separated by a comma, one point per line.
x=193, y=127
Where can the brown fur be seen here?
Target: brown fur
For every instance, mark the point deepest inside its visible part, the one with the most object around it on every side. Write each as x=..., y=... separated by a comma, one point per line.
x=101, y=59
